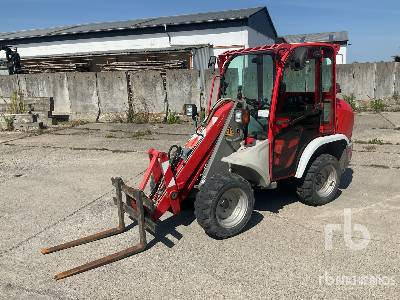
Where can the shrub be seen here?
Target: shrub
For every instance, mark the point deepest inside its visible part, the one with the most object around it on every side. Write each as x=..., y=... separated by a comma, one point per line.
x=9, y=120
x=16, y=105
x=351, y=99
x=137, y=118
x=376, y=141
x=377, y=105
x=173, y=118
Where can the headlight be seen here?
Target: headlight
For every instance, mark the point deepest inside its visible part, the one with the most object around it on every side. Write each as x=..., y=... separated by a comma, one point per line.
x=238, y=116
x=242, y=116
x=191, y=110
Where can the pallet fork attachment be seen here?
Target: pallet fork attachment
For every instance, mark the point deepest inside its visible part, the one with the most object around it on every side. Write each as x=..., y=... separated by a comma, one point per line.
x=144, y=223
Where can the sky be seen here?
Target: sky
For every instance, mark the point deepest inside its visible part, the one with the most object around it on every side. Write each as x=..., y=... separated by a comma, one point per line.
x=373, y=26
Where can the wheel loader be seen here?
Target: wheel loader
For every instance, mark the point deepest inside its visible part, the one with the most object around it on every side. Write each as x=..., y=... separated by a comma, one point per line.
x=277, y=118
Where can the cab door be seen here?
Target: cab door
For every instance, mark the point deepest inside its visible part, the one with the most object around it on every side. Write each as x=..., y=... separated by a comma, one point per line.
x=298, y=111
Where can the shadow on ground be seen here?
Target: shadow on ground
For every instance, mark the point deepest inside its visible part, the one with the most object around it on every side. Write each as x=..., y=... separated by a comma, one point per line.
x=265, y=200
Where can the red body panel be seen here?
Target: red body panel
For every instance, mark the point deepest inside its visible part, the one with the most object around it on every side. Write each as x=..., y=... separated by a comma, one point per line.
x=176, y=187
x=344, y=118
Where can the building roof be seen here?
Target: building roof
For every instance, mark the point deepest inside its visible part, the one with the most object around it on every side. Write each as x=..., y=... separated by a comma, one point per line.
x=210, y=17
x=340, y=36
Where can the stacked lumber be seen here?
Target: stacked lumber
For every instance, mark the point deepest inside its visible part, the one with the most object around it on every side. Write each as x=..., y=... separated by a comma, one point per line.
x=34, y=67
x=143, y=65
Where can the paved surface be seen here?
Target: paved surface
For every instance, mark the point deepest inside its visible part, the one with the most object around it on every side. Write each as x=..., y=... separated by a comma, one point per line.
x=56, y=187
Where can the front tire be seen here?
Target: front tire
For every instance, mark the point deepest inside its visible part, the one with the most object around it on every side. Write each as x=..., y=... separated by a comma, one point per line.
x=320, y=184
x=224, y=205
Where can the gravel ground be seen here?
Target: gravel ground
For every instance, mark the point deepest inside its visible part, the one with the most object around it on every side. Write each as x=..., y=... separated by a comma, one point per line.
x=55, y=187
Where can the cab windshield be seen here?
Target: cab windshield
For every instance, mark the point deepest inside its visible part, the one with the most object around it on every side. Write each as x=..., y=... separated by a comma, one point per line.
x=250, y=77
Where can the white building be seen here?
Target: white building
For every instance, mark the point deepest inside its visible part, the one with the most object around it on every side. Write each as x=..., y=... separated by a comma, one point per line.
x=341, y=38
x=163, y=38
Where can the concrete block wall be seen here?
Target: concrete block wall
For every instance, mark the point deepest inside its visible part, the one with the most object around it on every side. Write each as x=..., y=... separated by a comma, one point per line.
x=103, y=96
x=368, y=81
x=183, y=87
x=8, y=84
x=148, y=92
x=82, y=90
x=112, y=92
x=44, y=85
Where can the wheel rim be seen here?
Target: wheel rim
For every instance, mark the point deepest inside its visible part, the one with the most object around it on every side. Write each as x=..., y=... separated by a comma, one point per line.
x=232, y=207
x=325, y=181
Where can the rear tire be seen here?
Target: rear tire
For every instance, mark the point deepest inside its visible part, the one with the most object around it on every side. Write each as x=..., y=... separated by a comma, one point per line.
x=224, y=205
x=320, y=184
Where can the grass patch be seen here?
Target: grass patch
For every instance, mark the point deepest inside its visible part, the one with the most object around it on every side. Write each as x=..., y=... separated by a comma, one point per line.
x=110, y=136
x=369, y=147
x=379, y=166
x=17, y=104
x=377, y=105
x=351, y=99
x=374, y=141
x=141, y=134
x=74, y=123
x=173, y=118
x=9, y=122
x=137, y=118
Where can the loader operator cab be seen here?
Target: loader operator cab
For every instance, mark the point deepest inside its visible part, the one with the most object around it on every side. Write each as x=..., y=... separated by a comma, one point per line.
x=249, y=78
x=303, y=108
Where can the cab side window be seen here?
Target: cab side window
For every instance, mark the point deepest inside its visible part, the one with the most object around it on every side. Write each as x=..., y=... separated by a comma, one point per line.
x=298, y=87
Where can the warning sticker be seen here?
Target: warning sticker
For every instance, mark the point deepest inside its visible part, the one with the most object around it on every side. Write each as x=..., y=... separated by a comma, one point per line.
x=229, y=132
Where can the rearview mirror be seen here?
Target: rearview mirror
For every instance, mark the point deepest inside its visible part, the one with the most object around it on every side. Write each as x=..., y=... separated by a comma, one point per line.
x=212, y=62
x=298, y=59
x=338, y=89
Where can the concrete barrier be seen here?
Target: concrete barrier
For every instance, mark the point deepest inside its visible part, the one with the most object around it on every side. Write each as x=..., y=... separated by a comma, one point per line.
x=148, y=94
x=183, y=87
x=47, y=85
x=368, y=81
x=60, y=93
x=112, y=90
x=344, y=76
x=82, y=90
x=103, y=96
x=8, y=85
x=384, y=79
x=364, y=80
x=397, y=78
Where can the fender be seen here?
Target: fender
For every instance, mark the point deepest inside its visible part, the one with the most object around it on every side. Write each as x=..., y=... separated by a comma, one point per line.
x=313, y=146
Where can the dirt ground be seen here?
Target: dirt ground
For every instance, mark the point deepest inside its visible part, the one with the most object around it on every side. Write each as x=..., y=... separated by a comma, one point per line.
x=55, y=187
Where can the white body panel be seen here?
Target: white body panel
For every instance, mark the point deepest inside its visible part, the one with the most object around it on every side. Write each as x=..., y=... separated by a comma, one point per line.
x=254, y=159
x=312, y=147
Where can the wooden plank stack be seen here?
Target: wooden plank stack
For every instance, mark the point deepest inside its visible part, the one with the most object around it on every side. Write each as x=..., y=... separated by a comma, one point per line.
x=143, y=65
x=49, y=66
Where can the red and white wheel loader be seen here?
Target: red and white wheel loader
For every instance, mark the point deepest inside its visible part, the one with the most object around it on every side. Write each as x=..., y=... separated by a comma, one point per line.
x=278, y=117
